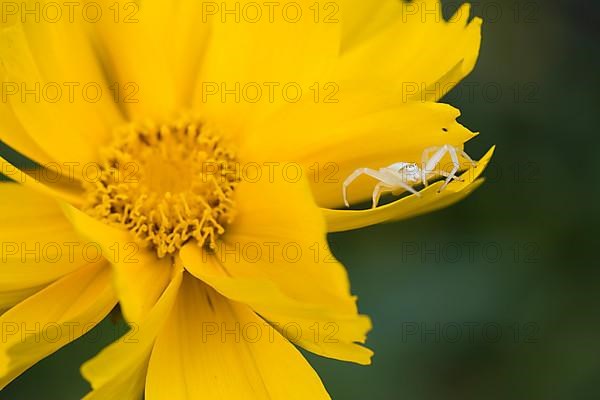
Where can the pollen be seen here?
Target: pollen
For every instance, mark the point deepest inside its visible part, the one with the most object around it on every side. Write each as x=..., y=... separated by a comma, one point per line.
x=167, y=184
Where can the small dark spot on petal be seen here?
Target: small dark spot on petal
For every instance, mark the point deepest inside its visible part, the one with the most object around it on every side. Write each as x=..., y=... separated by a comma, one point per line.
x=143, y=139
x=445, y=129
x=210, y=303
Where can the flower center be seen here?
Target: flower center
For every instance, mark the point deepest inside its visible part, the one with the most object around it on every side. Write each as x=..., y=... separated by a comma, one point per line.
x=167, y=184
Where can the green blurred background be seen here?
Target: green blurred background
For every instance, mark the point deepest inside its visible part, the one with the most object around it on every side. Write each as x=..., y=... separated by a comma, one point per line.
x=496, y=297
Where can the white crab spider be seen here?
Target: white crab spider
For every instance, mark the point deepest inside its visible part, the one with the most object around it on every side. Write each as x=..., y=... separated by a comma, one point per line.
x=402, y=176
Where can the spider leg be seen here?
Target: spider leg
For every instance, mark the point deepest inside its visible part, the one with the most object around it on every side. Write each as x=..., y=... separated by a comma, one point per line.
x=425, y=159
x=431, y=163
x=405, y=186
x=466, y=157
x=409, y=188
x=456, y=178
x=361, y=171
x=456, y=164
x=378, y=191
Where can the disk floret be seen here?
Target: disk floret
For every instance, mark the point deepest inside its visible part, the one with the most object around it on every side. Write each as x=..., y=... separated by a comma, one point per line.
x=167, y=184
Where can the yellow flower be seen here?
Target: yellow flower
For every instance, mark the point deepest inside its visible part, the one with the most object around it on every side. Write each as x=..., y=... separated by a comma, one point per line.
x=198, y=149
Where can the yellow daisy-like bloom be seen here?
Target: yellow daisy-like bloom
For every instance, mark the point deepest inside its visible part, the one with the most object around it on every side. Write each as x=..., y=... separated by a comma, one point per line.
x=219, y=271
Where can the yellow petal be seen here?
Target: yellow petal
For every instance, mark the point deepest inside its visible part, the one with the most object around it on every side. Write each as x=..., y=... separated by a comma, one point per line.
x=363, y=19
x=365, y=129
x=13, y=133
x=320, y=328
x=66, y=107
x=409, y=46
x=154, y=51
x=48, y=184
x=52, y=318
x=194, y=357
x=189, y=46
x=275, y=258
x=273, y=48
x=410, y=206
x=262, y=63
x=9, y=298
x=119, y=371
x=139, y=276
x=38, y=244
